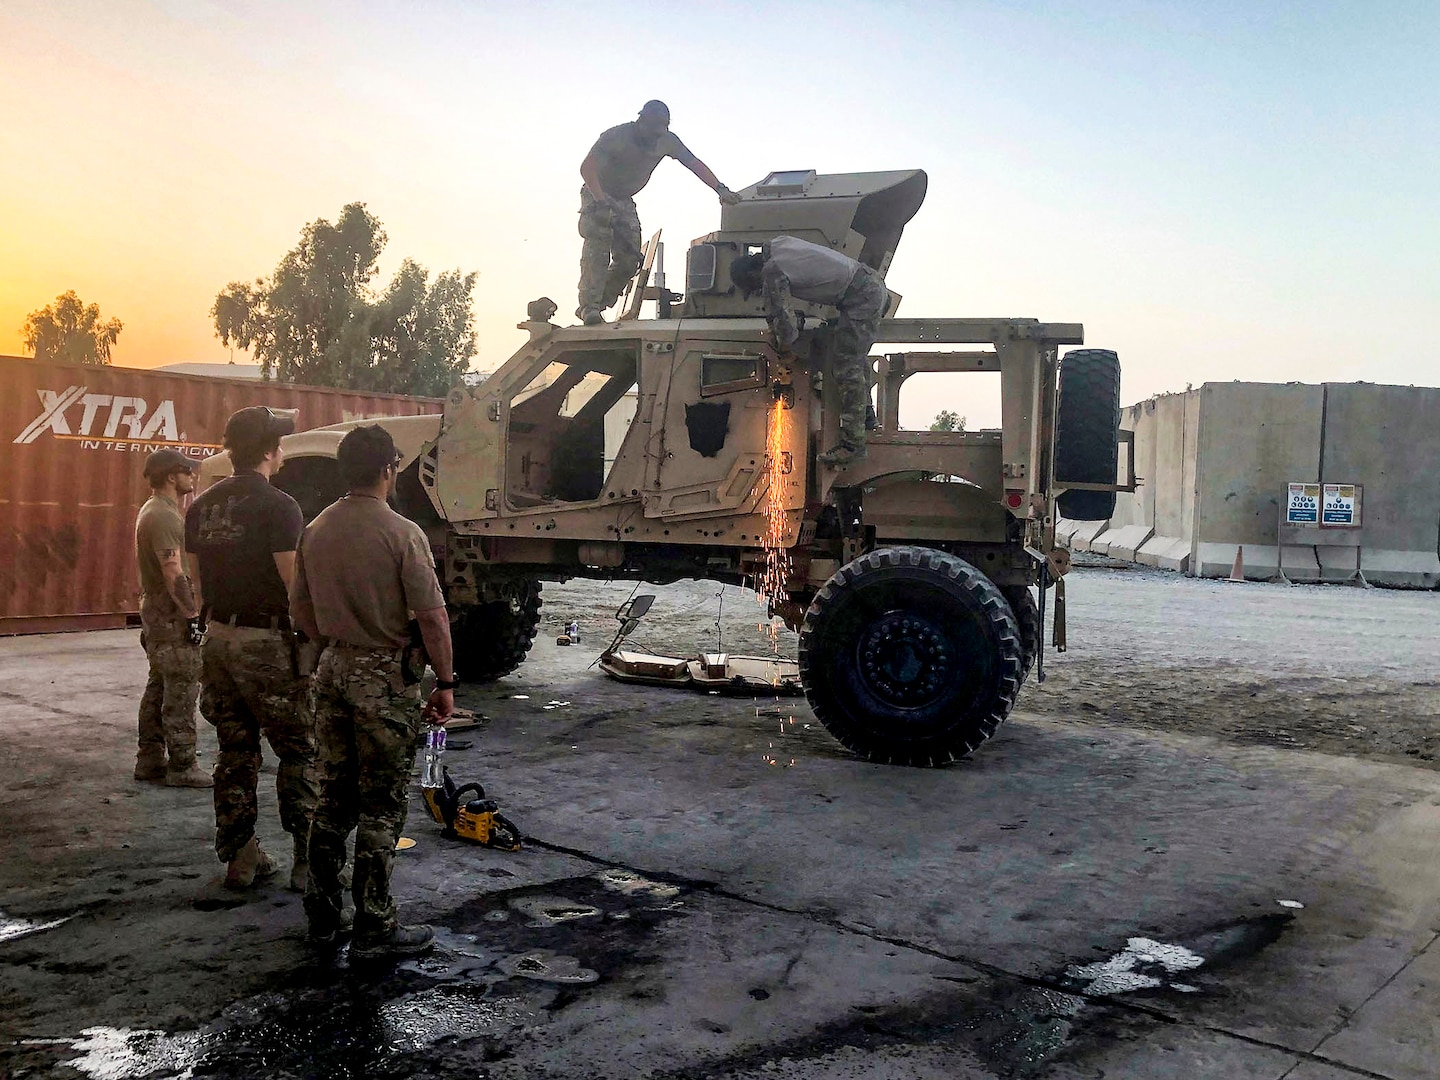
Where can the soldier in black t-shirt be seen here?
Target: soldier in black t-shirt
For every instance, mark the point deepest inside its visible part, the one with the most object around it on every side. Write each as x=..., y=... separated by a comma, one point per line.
x=240, y=539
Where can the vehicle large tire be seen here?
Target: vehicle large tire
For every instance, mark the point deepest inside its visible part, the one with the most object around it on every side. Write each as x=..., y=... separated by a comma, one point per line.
x=910, y=656
x=1027, y=617
x=1087, y=431
x=492, y=640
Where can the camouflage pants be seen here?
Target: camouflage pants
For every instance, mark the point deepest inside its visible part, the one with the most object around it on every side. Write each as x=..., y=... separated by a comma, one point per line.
x=611, y=253
x=251, y=688
x=167, y=708
x=860, y=310
x=366, y=721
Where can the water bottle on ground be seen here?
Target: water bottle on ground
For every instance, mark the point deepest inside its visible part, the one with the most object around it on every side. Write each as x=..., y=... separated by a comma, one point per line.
x=432, y=772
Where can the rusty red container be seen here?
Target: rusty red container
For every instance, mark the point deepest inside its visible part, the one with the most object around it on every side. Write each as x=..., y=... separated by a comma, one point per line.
x=73, y=440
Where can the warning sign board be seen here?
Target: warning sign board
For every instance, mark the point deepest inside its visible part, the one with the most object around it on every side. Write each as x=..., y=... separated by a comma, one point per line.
x=1302, y=507
x=1340, y=506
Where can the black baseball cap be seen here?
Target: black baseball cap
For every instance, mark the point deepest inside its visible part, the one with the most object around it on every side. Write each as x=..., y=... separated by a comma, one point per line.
x=165, y=461
x=256, y=426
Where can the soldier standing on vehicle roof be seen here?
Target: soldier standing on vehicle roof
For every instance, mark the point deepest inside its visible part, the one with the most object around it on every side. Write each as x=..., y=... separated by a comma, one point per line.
x=169, y=609
x=617, y=167
x=241, y=537
x=787, y=268
x=362, y=569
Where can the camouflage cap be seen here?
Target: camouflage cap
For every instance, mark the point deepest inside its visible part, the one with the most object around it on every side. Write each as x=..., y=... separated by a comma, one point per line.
x=165, y=461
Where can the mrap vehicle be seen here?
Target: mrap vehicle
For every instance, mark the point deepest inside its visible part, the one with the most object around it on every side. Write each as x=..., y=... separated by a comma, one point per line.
x=684, y=446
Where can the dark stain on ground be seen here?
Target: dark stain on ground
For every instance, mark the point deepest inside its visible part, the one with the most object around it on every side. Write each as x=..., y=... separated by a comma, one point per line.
x=463, y=1011
x=1015, y=1029
x=442, y=1014
x=1018, y=1029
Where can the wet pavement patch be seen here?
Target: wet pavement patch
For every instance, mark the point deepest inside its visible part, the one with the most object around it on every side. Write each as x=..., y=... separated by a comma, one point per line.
x=507, y=963
x=502, y=965
x=11, y=928
x=1182, y=965
x=1016, y=1027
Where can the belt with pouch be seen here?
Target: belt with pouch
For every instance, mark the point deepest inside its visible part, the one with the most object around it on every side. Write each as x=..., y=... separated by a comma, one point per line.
x=253, y=621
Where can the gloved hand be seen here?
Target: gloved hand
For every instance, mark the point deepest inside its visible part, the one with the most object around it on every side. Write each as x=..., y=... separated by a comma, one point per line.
x=727, y=197
x=195, y=630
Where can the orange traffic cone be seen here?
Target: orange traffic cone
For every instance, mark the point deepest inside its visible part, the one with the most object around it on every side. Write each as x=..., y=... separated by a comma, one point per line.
x=1237, y=570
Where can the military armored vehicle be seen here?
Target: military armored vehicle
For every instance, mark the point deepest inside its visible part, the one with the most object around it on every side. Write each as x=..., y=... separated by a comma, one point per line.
x=908, y=574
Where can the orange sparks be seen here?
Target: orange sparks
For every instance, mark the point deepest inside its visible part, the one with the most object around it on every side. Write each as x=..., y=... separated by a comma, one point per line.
x=772, y=587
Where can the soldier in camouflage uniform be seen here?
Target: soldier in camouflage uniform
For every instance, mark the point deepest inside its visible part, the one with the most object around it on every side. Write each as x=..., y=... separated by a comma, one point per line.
x=362, y=568
x=167, y=709
x=789, y=268
x=241, y=536
x=617, y=167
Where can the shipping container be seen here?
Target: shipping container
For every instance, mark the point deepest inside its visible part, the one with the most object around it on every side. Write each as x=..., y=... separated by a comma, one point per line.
x=73, y=442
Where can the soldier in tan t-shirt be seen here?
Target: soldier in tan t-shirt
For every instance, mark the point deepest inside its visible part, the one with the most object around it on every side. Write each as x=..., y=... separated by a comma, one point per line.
x=360, y=571
x=168, y=604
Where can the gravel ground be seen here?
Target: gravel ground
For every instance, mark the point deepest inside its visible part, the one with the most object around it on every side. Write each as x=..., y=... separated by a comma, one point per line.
x=1342, y=670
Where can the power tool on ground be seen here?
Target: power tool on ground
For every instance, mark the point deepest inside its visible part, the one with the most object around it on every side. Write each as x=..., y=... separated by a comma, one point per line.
x=466, y=813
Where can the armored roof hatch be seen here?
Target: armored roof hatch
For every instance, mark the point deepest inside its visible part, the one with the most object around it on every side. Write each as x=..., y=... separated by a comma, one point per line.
x=873, y=205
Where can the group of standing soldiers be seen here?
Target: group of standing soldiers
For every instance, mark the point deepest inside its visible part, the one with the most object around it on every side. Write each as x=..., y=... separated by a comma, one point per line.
x=299, y=634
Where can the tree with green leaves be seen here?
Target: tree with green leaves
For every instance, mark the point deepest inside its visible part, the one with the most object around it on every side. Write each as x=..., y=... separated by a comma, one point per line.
x=318, y=321
x=946, y=420
x=69, y=332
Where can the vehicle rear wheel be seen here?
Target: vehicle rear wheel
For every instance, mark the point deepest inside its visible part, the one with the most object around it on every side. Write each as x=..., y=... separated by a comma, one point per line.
x=1087, y=432
x=492, y=640
x=910, y=656
x=1027, y=617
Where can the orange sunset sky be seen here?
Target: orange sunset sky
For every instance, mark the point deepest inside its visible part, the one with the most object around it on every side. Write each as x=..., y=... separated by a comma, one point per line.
x=1249, y=193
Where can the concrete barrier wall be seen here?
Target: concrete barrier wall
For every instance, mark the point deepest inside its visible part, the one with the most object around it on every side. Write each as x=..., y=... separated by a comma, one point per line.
x=1131, y=524
x=1388, y=439
x=1214, y=464
x=1254, y=439
x=1172, y=481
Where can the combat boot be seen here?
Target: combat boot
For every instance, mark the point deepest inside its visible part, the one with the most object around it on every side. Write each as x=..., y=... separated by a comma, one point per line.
x=300, y=868
x=844, y=454
x=194, y=776
x=249, y=865
x=327, y=937
x=590, y=316
x=401, y=941
x=150, y=766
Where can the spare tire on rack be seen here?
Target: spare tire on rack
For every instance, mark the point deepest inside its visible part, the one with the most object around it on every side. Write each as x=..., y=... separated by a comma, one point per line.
x=910, y=656
x=1087, y=432
x=492, y=640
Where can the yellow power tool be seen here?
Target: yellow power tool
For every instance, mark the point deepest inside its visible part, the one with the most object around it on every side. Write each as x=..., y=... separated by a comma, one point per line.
x=466, y=813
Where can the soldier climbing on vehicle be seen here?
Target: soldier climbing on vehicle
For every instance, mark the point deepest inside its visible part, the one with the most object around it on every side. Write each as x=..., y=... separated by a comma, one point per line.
x=616, y=168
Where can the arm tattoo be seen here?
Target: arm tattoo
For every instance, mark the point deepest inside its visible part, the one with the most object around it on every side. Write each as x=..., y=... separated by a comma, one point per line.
x=777, y=303
x=184, y=594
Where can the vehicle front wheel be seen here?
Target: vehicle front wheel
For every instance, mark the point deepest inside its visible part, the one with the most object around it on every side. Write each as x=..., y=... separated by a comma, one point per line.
x=910, y=656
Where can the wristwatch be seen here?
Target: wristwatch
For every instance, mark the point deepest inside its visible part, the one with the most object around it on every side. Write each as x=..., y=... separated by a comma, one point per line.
x=441, y=684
